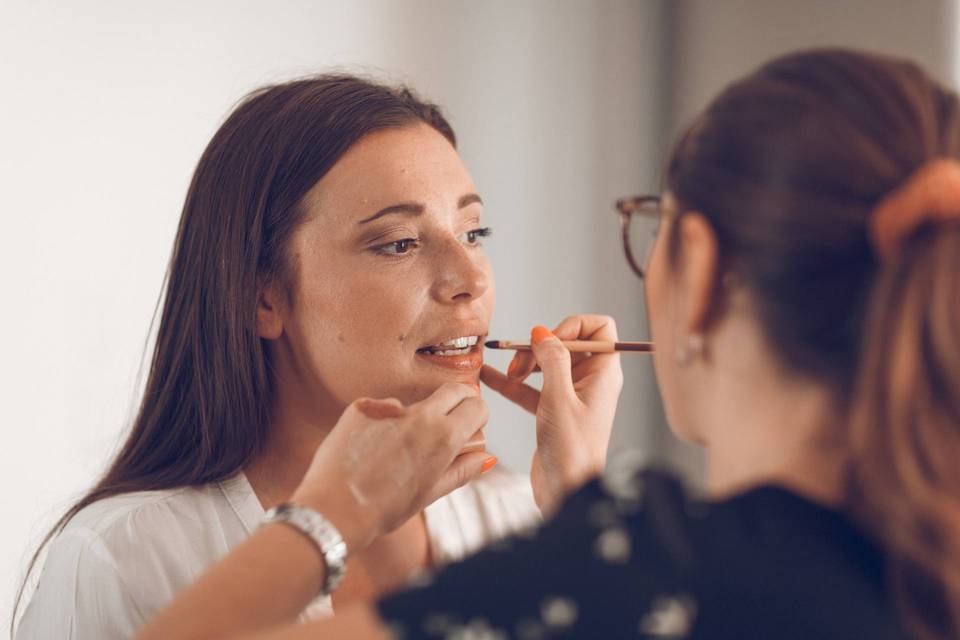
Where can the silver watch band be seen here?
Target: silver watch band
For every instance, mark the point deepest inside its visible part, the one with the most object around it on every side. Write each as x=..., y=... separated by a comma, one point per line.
x=323, y=534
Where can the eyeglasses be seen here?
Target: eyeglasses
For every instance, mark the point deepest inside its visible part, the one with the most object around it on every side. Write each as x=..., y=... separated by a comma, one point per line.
x=639, y=222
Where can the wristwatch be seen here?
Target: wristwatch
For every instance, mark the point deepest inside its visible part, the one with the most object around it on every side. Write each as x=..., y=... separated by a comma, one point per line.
x=321, y=532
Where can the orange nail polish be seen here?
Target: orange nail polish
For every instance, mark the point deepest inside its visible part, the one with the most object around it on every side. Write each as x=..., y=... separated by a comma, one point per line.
x=539, y=334
x=488, y=464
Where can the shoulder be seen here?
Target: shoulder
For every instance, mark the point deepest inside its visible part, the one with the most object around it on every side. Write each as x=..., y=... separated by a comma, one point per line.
x=141, y=520
x=175, y=529
x=113, y=514
x=592, y=570
x=136, y=532
x=781, y=560
x=768, y=557
x=121, y=558
x=633, y=516
x=635, y=551
x=87, y=587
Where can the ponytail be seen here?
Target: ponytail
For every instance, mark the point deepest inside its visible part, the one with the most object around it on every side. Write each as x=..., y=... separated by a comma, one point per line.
x=905, y=426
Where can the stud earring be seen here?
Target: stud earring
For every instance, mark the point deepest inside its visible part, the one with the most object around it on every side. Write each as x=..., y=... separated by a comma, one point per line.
x=689, y=349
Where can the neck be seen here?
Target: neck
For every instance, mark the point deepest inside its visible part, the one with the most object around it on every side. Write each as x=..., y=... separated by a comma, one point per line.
x=776, y=431
x=300, y=420
x=298, y=426
x=762, y=423
x=277, y=471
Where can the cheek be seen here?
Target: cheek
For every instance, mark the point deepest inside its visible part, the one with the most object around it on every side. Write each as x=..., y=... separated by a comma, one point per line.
x=490, y=295
x=661, y=338
x=359, y=328
x=375, y=316
x=657, y=290
x=355, y=331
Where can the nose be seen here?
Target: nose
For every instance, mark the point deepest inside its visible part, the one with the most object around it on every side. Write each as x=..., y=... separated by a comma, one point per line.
x=462, y=275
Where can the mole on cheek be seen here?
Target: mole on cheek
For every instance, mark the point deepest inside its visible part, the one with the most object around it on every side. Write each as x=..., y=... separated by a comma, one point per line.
x=340, y=337
x=402, y=336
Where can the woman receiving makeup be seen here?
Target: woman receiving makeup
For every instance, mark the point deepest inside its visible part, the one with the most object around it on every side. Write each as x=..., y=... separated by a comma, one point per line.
x=329, y=249
x=803, y=292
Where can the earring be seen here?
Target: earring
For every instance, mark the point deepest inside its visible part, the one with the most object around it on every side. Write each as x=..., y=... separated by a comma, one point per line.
x=689, y=349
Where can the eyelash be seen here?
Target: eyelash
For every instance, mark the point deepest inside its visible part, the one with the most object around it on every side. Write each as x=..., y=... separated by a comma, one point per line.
x=477, y=234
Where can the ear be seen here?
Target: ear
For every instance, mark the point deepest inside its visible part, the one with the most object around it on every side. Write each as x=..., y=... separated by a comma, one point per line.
x=269, y=307
x=700, y=268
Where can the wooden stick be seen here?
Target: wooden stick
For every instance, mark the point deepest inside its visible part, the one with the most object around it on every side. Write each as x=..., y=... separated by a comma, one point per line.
x=578, y=346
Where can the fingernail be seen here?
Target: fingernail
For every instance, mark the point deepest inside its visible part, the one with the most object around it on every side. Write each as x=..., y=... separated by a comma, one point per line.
x=488, y=464
x=378, y=410
x=539, y=334
x=512, y=369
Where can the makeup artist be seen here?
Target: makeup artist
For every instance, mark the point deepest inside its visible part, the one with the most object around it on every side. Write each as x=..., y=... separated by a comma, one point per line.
x=803, y=293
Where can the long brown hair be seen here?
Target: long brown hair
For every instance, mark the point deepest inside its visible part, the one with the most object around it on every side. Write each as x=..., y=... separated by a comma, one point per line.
x=788, y=165
x=207, y=401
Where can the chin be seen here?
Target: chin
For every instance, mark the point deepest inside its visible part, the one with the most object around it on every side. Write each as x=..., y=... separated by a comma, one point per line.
x=685, y=433
x=424, y=387
x=436, y=382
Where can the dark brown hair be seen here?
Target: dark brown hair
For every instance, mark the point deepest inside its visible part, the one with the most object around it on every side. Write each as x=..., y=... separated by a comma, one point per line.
x=787, y=165
x=206, y=406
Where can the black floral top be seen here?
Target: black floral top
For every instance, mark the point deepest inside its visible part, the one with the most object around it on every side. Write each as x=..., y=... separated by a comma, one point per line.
x=634, y=557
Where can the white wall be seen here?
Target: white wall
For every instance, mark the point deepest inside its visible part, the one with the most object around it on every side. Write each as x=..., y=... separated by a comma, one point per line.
x=107, y=105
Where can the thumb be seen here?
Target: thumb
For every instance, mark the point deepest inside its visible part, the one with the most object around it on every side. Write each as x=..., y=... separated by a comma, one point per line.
x=554, y=361
x=463, y=469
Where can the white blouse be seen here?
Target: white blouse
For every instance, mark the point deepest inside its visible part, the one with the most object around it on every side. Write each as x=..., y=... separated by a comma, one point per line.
x=122, y=559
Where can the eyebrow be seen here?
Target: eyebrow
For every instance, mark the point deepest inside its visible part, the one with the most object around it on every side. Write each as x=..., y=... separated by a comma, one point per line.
x=416, y=209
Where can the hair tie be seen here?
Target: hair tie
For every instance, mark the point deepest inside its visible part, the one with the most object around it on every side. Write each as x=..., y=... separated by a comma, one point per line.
x=930, y=194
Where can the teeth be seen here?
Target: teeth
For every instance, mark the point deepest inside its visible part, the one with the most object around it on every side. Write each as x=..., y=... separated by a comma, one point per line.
x=456, y=347
x=460, y=343
x=457, y=352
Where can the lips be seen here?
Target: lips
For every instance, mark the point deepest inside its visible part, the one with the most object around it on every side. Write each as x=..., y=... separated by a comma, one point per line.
x=460, y=349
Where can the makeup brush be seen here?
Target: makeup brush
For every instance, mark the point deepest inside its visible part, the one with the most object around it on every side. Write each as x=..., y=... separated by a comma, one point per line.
x=577, y=346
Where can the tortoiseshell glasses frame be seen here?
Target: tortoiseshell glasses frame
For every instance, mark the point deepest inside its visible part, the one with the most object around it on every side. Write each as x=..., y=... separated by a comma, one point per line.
x=648, y=206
